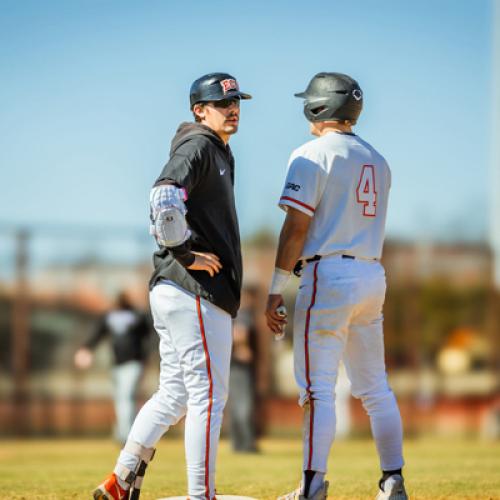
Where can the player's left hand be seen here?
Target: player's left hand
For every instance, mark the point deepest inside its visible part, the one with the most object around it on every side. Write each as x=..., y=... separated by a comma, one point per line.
x=206, y=261
x=275, y=322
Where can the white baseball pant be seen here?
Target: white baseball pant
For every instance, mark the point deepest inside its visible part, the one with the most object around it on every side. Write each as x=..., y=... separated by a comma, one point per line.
x=338, y=315
x=195, y=351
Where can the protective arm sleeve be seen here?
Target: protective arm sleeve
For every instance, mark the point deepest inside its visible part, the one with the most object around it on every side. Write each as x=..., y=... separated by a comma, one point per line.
x=168, y=215
x=184, y=171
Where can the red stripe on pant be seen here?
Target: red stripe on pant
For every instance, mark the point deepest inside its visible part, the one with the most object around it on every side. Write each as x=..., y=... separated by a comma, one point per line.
x=210, y=399
x=308, y=377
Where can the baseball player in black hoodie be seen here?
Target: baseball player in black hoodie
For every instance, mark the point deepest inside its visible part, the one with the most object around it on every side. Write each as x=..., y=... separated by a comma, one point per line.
x=195, y=290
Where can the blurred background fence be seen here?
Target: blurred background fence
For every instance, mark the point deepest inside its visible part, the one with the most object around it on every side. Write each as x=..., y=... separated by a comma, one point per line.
x=442, y=333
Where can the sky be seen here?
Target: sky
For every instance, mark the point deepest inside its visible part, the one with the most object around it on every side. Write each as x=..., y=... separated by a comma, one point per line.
x=91, y=93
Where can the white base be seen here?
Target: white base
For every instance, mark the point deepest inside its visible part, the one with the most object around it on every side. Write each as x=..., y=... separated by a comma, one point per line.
x=219, y=497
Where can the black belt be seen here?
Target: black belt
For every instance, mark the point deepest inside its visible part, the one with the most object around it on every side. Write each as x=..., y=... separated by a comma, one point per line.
x=297, y=270
x=319, y=257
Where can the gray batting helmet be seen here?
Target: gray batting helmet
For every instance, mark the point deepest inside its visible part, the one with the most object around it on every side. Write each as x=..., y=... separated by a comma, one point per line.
x=332, y=96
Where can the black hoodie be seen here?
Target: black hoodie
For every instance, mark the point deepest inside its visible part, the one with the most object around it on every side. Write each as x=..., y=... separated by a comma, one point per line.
x=201, y=163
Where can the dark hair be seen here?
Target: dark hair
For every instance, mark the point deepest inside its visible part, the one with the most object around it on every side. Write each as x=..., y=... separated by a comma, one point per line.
x=123, y=301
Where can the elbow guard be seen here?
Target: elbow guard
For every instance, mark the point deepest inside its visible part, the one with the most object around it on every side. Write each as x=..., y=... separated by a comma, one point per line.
x=168, y=215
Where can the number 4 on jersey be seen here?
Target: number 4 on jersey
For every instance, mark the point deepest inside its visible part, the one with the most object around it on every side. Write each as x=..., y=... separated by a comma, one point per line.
x=365, y=192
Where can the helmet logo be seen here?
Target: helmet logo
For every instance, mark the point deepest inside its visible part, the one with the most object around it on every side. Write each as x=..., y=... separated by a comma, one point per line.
x=357, y=94
x=229, y=84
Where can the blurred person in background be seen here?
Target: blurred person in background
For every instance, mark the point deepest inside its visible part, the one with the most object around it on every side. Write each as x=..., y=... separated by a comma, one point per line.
x=335, y=195
x=127, y=328
x=242, y=383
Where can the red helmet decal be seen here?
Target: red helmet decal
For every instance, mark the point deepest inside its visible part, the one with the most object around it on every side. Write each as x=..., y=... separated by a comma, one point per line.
x=229, y=84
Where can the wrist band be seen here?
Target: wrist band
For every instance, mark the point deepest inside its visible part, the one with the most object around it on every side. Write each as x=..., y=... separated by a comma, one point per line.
x=182, y=254
x=279, y=282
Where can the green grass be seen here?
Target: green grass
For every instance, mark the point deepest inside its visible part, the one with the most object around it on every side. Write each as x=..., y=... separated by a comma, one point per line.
x=69, y=469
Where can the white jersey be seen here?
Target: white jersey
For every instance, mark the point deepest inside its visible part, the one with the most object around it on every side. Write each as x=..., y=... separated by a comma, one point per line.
x=343, y=184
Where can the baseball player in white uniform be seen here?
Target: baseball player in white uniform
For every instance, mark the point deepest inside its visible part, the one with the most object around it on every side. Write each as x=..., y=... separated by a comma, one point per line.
x=335, y=196
x=195, y=290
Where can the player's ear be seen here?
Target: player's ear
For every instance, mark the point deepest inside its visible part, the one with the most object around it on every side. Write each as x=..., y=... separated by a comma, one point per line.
x=199, y=112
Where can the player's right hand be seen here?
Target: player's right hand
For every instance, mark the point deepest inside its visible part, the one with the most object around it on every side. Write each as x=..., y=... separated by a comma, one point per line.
x=204, y=261
x=275, y=321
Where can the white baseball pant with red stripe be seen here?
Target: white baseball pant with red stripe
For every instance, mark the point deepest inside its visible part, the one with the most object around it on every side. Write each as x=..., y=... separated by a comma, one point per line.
x=338, y=315
x=195, y=351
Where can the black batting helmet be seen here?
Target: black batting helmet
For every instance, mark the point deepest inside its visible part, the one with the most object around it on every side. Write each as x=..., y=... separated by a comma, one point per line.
x=215, y=87
x=332, y=96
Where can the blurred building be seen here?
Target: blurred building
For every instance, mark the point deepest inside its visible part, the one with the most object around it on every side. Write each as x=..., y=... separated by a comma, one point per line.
x=457, y=264
x=92, y=283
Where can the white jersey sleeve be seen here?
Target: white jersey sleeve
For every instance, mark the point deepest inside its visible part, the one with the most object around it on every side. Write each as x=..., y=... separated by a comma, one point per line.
x=304, y=184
